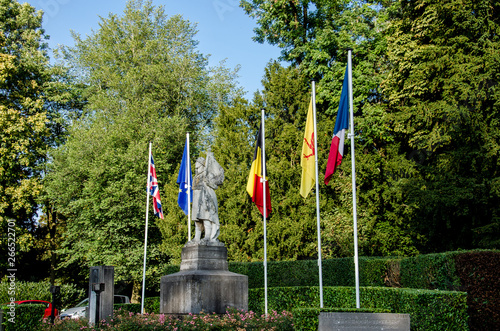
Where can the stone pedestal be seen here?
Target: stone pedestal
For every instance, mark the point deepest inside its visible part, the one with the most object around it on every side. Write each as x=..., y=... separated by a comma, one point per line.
x=204, y=283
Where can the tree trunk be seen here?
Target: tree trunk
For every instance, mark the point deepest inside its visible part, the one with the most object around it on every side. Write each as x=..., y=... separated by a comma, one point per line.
x=136, y=295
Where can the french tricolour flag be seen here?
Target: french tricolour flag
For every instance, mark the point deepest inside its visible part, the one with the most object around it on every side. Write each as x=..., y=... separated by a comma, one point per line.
x=341, y=125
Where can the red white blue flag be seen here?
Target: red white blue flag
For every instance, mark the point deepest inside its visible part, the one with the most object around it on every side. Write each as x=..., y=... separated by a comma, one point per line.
x=154, y=190
x=341, y=125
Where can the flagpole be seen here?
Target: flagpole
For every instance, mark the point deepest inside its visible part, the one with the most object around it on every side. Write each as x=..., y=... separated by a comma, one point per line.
x=353, y=163
x=317, y=195
x=264, y=205
x=146, y=233
x=188, y=172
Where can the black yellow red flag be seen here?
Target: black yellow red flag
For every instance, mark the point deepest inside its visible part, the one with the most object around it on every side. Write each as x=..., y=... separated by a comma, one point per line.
x=254, y=185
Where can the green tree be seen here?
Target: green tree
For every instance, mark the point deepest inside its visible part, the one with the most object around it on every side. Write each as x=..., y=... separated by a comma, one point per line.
x=290, y=225
x=444, y=112
x=34, y=104
x=144, y=81
x=291, y=229
x=314, y=36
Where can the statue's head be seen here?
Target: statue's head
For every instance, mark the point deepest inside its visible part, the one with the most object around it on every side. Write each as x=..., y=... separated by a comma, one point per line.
x=200, y=162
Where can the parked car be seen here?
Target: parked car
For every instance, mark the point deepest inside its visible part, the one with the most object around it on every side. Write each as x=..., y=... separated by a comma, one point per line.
x=80, y=310
x=48, y=306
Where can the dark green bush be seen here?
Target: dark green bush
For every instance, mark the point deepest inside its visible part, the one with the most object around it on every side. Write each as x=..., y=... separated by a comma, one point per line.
x=152, y=305
x=478, y=273
x=336, y=272
x=22, y=317
x=472, y=271
x=254, y=271
x=171, y=269
x=128, y=307
x=430, y=271
x=429, y=310
x=68, y=297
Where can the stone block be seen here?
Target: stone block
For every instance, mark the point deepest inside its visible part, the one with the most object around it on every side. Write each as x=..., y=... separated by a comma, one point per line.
x=203, y=284
x=363, y=322
x=105, y=275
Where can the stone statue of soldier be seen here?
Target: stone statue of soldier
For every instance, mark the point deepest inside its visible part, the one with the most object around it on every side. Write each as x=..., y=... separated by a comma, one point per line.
x=209, y=175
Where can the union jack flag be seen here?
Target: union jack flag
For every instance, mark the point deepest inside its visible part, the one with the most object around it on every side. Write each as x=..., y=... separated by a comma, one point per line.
x=154, y=190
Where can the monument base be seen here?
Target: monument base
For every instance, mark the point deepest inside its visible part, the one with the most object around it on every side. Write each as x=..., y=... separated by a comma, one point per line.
x=204, y=283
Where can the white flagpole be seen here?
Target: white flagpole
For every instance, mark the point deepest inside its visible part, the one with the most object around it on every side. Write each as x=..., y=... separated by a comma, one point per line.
x=317, y=195
x=146, y=234
x=264, y=205
x=188, y=170
x=354, y=211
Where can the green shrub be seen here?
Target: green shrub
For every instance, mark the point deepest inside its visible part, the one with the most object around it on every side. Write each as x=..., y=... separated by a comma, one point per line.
x=68, y=297
x=478, y=273
x=336, y=272
x=152, y=305
x=128, y=307
x=22, y=317
x=305, y=318
x=254, y=271
x=171, y=269
x=430, y=271
x=429, y=310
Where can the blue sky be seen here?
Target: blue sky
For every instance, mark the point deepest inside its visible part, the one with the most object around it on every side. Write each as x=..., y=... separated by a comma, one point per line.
x=224, y=30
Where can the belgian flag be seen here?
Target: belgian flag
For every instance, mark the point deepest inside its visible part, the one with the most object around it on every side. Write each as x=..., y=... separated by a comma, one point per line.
x=254, y=185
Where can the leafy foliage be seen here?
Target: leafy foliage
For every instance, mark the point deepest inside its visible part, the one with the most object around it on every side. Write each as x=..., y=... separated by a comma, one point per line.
x=144, y=81
x=328, y=28
x=444, y=112
x=425, y=114
x=69, y=294
x=478, y=275
x=35, y=102
x=27, y=317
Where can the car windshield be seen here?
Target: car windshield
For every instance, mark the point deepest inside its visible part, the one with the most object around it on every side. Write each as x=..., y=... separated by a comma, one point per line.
x=84, y=303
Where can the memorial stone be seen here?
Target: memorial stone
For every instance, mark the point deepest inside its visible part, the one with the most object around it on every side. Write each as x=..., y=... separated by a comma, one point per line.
x=101, y=275
x=363, y=322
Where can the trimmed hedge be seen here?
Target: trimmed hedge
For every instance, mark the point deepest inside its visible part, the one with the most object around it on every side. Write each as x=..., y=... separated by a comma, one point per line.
x=430, y=271
x=27, y=317
x=475, y=272
x=151, y=305
x=128, y=307
x=478, y=273
x=429, y=310
x=472, y=271
x=68, y=297
x=336, y=272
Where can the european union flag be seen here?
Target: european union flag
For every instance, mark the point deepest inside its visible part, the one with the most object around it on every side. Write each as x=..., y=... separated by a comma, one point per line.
x=182, y=180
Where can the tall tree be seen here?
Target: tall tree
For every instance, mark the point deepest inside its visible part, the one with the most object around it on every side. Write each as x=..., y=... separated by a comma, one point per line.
x=314, y=36
x=443, y=91
x=33, y=99
x=292, y=226
x=144, y=81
